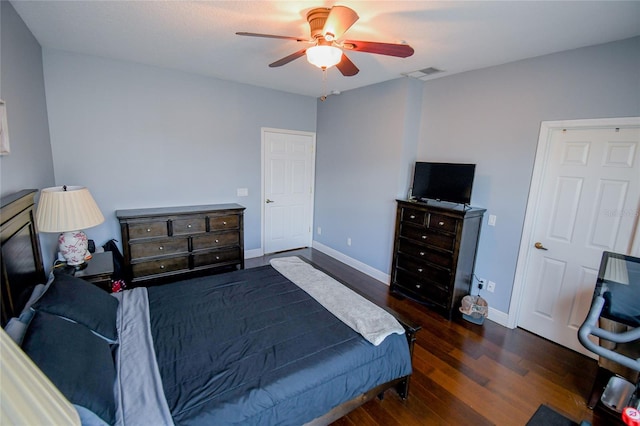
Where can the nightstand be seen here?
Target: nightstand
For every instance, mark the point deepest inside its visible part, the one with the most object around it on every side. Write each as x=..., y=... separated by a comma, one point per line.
x=99, y=270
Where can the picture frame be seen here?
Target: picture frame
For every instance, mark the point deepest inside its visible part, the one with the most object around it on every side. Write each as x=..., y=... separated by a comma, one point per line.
x=4, y=130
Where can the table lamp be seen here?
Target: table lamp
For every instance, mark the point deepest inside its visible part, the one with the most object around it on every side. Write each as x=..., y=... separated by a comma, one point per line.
x=69, y=210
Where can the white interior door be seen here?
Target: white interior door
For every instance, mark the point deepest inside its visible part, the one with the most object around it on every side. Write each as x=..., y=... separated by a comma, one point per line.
x=588, y=203
x=288, y=178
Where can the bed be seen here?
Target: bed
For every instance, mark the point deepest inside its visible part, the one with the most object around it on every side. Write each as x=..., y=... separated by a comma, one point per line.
x=280, y=344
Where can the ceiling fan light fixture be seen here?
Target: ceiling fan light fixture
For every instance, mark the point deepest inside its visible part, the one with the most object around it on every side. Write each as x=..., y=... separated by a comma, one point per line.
x=324, y=56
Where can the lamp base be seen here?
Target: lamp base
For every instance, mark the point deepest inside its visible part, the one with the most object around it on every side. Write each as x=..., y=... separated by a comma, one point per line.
x=79, y=267
x=73, y=247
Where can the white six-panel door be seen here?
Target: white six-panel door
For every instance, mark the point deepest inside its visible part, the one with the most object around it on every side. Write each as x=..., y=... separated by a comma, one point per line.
x=588, y=203
x=288, y=172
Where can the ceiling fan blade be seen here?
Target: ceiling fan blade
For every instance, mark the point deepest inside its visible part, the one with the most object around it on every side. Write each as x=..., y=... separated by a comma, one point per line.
x=287, y=59
x=389, y=49
x=244, y=33
x=346, y=67
x=340, y=19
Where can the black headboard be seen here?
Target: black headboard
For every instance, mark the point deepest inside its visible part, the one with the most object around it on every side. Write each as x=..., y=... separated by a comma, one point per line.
x=21, y=259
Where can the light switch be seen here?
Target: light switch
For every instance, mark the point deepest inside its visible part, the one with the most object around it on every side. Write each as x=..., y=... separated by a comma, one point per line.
x=243, y=192
x=492, y=220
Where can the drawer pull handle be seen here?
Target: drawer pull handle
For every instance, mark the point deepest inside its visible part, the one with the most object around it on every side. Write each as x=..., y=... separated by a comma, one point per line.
x=419, y=269
x=217, y=257
x=421, y=253
x=224, y=223
x=161, y=266
x=424, y=237
x=189, y=226
x=160, y=248
x=412, y=216
x=148, y=229
x=418, y=286
x=217, y=241
x=440, y=223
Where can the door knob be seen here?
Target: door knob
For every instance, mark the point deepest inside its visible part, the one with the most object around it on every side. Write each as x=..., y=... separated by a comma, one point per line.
x=539, y=246
x=269, y=201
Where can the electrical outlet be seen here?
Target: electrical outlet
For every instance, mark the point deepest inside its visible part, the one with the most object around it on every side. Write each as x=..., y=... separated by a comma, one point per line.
x=349, y=241
x=491, y=287
x=482, y=283
x=319, y=231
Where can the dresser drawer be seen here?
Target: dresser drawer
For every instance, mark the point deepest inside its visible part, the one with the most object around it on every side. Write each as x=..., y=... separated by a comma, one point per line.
x=218, y=256
x=161, y=266
x=148, y=229
x=159, y=247
x=423, y=290
x=414, y=216
x=215, y=240
x=425, y=272
x=166, y=244
x=426, y=236
x=442, y=222
x=220, y=223
x=435, y=246
x=421, y=252
x=189, y=225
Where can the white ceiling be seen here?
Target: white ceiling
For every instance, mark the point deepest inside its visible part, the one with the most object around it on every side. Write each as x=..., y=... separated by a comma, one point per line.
x=199, y=36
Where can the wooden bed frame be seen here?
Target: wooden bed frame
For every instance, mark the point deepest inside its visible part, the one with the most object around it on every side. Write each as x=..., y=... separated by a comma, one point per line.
x=22, y=266
x=22, y=269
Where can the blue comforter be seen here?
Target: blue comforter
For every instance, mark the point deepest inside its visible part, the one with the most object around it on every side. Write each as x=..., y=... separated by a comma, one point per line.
x=250, y=347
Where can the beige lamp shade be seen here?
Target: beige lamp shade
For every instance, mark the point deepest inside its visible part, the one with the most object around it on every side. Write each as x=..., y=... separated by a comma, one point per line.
x=67, y=208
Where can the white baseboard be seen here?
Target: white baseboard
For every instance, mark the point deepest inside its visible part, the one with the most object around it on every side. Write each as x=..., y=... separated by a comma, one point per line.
x=498, y=317
x=355, y=264
x=248, y=254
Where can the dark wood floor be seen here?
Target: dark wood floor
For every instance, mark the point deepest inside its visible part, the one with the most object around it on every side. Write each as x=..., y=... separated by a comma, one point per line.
x=468, y=374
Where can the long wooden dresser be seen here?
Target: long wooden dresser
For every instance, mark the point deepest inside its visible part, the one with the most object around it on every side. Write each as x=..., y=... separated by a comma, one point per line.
x=434, y=253
x=171, y=243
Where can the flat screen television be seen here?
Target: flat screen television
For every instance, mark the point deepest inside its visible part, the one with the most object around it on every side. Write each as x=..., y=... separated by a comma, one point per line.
x=450, y=182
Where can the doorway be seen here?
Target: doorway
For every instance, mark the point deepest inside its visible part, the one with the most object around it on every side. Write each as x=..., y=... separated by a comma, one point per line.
x=584, y=199
x=288, y=170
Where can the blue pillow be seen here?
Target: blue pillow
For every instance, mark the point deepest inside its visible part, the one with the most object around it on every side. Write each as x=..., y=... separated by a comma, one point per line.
x=79, y=363
x=16, y=330
x=17, y=326
x=82, y=302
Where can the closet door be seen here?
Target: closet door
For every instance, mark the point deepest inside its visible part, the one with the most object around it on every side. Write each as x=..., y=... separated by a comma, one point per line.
x=588, y=202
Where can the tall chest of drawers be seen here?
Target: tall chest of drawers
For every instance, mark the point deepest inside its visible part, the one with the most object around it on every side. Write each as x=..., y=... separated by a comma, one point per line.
x=167, y=244
x=434, y=253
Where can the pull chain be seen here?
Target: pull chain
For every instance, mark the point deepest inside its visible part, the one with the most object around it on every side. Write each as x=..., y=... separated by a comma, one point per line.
x=324, y=84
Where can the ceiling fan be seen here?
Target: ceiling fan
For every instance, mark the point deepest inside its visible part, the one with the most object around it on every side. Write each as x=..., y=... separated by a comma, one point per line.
x=327, y=26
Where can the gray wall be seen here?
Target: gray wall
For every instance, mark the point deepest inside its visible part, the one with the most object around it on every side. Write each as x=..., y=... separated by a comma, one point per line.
x=30, y=164
x=492, y=117
x=362, y=141
x=140, y=136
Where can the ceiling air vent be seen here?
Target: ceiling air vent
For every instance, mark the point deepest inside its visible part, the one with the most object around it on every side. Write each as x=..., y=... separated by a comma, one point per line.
x=424, y=74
